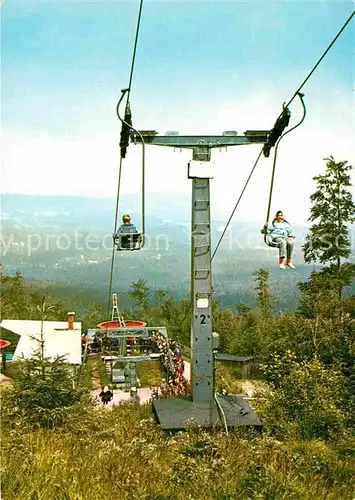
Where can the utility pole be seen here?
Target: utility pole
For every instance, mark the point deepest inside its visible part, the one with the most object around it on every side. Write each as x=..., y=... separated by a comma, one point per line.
x=203, y=408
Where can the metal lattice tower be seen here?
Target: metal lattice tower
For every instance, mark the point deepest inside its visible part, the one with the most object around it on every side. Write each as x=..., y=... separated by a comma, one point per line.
x=116, y=316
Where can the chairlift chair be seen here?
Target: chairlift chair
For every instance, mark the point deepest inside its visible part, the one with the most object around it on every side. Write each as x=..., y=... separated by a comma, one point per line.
x=127, y=237
x=128, y=241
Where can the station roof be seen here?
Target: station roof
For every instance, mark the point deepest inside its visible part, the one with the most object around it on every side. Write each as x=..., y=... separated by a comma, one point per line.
x=58, y=339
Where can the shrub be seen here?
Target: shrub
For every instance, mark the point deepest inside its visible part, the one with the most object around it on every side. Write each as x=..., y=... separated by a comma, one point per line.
x=44, y=393
x=305, y=398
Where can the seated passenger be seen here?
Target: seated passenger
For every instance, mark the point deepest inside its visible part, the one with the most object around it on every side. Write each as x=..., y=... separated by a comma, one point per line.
x=127, y=237
x=280, y=235
x=127, y=226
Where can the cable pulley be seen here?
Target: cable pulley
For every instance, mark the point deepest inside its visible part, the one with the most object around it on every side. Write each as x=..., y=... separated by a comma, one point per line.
x=127, y=237
x=277, y=130
x=264, y=230
x=126, y=130
x=134, y=242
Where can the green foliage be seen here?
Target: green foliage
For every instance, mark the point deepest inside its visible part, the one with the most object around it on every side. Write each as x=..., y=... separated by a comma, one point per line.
x=160, y=296
x=101, y=368
x=86, y=373
x=43, y=393
x=94, y=314
x=279, y=367
x=306, y=398
x=139, y=292
x=177, y=317
x=14, y=303
x=228, y=377
x=320, y=294
x=150, y=373
x=20, y=302
x=122, y=453
x=330, y=320
x=225, y=323
x=242, y=309
x=332, y=210
x=265, y=298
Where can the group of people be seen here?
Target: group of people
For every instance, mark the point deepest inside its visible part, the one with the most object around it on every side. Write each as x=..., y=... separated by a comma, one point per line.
x=93, y=343
x=173, y=361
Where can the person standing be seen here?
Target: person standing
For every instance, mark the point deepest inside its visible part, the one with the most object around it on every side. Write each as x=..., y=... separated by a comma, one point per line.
x=106, y=395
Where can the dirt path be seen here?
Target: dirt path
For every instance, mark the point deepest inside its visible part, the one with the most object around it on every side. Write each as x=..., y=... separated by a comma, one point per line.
x=96, y=383
x=119, y=396
x=5, y=381
x=248, y=388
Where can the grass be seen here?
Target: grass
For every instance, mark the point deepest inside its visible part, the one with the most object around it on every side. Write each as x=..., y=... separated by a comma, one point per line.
x=150, y=373
x=123, y=454
x=12, y=369
x=86, y=373
x=104, y=376
x=228, y=377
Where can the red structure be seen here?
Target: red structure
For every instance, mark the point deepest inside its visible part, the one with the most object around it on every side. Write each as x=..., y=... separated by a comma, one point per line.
x=129, y=323
x=4, y=343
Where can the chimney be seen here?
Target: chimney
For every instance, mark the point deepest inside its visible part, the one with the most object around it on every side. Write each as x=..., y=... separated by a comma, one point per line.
x=71, y=320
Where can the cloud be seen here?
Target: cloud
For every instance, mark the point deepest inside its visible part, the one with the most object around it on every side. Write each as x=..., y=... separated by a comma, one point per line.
x=35, y=162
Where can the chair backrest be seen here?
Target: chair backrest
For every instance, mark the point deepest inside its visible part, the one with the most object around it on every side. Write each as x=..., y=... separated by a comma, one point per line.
x=270, y=242
x=130, y=241
x=268, y=239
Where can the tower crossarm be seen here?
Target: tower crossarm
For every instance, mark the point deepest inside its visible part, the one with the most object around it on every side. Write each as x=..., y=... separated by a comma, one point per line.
x=193, y=141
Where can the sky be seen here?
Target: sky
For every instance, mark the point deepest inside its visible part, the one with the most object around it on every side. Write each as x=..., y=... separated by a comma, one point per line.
x=201, y=68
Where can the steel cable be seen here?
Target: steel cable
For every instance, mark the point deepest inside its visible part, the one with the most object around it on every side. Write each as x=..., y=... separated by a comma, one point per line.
x=124, y=92
x=289, y=102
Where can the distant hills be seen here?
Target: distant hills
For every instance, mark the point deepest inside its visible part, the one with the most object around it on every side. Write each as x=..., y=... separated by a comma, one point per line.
x=68, y=240
x=75, y=211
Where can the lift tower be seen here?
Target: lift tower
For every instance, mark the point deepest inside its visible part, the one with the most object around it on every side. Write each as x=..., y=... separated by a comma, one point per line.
x=205, y=408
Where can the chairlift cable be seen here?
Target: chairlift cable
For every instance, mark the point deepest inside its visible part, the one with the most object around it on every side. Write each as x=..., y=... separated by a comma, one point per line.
x=275, y=156
x=143, y=171
x=124, y=123
x=297, y=92
x=135, y=48
x=113, y=246
x=321, y=58
x=236, y=205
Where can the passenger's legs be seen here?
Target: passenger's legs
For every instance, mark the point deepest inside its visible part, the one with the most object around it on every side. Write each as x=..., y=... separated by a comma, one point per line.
x=282, y=248
x=289, y=247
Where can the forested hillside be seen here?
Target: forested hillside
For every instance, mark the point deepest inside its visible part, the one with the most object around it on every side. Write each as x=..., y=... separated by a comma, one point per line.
x=304, y=358
x=307, y=407
x=67, y=242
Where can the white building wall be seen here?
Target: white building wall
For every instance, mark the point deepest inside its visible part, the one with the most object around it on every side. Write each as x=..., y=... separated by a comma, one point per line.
x=58, y=340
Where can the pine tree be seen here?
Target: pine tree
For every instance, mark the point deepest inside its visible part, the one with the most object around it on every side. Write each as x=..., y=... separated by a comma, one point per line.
x=265, y=298
x=139, y=291
x=160, y=297
x=332, y=211
x=44, y=392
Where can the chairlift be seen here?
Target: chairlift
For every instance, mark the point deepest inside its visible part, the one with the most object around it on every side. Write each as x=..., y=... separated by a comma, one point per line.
x=127, y=237
x=128, y=241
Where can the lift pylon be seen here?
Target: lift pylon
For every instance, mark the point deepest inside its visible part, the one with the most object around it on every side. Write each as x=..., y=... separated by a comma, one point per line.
x=205, y=408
